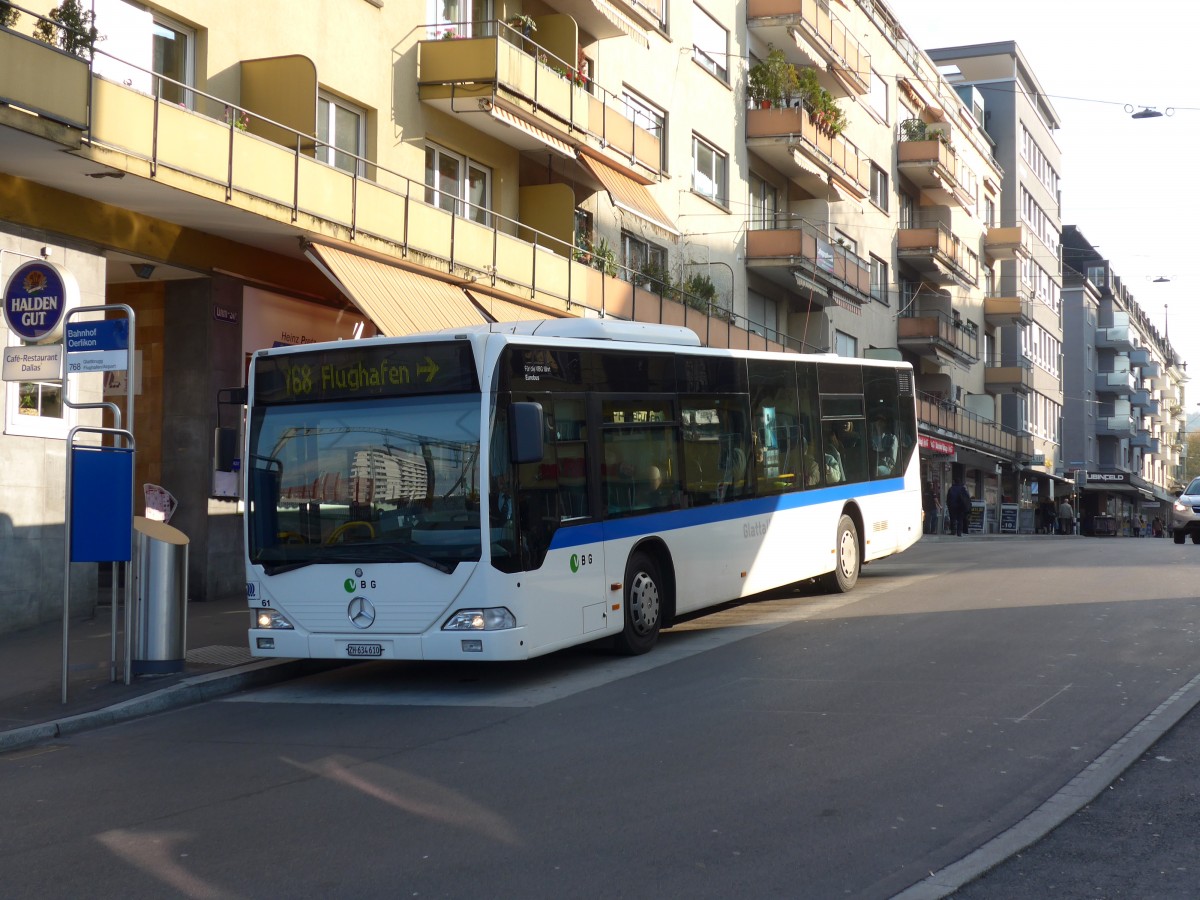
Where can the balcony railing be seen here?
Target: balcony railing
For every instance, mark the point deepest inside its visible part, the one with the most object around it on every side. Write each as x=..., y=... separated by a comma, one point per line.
x=798, y=244
x=1008, y=309
x=1004, y=376
x=833, y=153
x=1119, y=337
x=964, y=426
x=845, y=54
x=933, y=333
x=937, y=252
x=495, y=54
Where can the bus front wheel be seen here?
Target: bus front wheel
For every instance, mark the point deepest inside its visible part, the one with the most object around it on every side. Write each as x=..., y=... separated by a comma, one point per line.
x=643, y=605
x=848, y=563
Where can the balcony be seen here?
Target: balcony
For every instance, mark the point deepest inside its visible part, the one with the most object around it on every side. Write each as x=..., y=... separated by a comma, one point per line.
x=780, y=253
x=1001, y=311
x=1151, y=369
x=1141, y=439
x=1119, y=382
x=932, y=164
x=1115, y=426
x=183, y=181
x=935, y=416
x=1139, y=356
x=1008, y=376
x=811, y=35
x=827, y=166
x=1007, y=243
x=938, y=254
x=1118, y=337
x=938, y=337
x=472, y=76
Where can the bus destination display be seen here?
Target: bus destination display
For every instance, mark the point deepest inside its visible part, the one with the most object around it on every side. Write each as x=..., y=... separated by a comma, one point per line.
x=359, y=370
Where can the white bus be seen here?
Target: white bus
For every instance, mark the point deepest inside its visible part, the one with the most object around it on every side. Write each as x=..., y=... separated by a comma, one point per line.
x=500, y=492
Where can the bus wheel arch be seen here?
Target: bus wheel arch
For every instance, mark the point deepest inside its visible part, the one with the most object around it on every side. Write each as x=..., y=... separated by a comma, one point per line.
x=849, y=549
x=648, y=601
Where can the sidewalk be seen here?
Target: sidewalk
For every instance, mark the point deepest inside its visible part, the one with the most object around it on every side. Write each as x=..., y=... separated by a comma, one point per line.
x=218, y=662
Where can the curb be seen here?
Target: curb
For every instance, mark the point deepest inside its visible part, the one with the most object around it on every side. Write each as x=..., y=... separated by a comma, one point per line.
x=188, y=692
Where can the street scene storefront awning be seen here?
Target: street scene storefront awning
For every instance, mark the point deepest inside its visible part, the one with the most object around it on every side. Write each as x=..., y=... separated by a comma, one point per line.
x=627, y=193
x=399, y=301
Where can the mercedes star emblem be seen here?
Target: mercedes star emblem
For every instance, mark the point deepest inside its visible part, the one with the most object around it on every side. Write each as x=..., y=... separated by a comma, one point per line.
x=361, y=612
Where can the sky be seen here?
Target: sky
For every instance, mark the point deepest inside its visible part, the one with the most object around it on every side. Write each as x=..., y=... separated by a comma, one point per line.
x=1132, y=186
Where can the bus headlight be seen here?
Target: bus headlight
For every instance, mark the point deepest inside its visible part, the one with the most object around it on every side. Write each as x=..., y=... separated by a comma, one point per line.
x=496, y=618
x=269, y=618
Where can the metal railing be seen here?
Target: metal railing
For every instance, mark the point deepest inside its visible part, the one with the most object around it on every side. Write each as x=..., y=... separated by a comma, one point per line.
x=967, y=427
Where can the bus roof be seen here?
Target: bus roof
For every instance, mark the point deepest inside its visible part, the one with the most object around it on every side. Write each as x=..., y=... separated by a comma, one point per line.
x=606, y=329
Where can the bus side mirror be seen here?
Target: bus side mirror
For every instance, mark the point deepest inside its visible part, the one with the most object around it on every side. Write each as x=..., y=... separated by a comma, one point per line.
x=526, y=432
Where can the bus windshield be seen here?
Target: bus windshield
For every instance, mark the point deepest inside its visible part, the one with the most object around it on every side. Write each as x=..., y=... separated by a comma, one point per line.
x=380, y=480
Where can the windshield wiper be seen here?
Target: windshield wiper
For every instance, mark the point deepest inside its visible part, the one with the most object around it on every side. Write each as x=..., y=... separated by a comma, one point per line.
x=278, y=568
x=360, y=553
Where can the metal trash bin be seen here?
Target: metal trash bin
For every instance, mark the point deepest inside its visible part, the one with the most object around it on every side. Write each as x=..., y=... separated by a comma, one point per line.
x=160, y=598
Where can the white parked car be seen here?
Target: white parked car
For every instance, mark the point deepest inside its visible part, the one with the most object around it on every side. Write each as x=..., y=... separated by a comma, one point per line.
x=1185, y=514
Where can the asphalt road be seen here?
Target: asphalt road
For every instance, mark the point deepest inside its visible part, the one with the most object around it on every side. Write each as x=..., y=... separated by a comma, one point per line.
x=802, y=746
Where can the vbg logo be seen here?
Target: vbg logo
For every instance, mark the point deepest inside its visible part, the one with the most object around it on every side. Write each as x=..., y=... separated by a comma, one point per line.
x=579, y=560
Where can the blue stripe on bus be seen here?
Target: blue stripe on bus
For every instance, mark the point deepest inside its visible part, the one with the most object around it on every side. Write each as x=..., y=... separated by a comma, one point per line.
x=660, y=522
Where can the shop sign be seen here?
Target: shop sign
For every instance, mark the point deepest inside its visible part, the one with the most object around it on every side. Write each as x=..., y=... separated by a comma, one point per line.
x=935, y=445
x=1108, y=478
x=1008, y=518
x=36, y=297
x=33, y=363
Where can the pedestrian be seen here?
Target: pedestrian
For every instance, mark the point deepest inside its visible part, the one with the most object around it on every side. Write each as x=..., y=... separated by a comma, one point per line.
x=1157, y=527
x=929, y=507
x=1048, y=516
x=958, y=503
x=1066, y=518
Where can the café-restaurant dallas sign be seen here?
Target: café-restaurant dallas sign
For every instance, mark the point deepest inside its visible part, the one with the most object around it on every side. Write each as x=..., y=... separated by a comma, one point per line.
x=36, y=297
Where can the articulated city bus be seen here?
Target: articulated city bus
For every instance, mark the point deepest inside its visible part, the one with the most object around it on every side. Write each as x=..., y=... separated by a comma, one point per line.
x=500, y=492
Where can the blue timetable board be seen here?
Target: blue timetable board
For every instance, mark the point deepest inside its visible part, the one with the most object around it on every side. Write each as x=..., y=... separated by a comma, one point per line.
x=101, y=504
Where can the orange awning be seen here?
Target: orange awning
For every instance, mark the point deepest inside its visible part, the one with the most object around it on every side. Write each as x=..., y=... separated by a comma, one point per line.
x=627, y=194
x=507, y=311
x=622, y=21
x=537, y=133
x=399, y=301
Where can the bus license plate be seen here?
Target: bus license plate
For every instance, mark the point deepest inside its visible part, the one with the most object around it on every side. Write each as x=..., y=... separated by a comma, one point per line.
x=364, y=649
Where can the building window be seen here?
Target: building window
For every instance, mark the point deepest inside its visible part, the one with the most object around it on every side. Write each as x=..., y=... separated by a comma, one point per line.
x=710, y=44
x=709, y=168
x=879, y=96
x=649, y=117
x=879, y=187
x=645, y=263
x=879, y=280
x=845, y=344
x=457, y=184
x=173, y=48
x=764, y=203
x=459, y=18
x=908, y=211
x=341, y=134
x=989, y=212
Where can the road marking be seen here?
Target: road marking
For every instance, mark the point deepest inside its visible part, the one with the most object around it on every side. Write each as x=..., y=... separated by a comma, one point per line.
x=1043, y=703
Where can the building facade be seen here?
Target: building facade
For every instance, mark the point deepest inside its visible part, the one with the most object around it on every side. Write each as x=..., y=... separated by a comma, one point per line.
x=1124, y=441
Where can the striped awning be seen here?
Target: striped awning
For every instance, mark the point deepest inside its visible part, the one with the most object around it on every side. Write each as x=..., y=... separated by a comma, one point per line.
x=505, y=310
x=399, y=301
x=622, y=21
x=627, y=194
x=559, y=146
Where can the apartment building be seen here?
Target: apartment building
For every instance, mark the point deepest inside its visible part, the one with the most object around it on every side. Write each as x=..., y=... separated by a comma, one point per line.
x=1027, y=350
x=1123, y=440
x=247, y=175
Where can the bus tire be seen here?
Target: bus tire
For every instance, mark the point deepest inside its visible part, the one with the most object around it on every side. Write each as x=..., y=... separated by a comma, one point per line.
x=643, y=605
x=849, y=560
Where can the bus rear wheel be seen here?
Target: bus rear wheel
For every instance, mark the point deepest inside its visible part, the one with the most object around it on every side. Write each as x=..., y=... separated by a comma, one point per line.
x=848, y=563
x=643, y=605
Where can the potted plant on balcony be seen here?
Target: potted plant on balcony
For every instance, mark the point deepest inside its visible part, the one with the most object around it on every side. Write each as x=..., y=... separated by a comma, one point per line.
x=523, y=24
x=773, y=81
x=69, y=27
